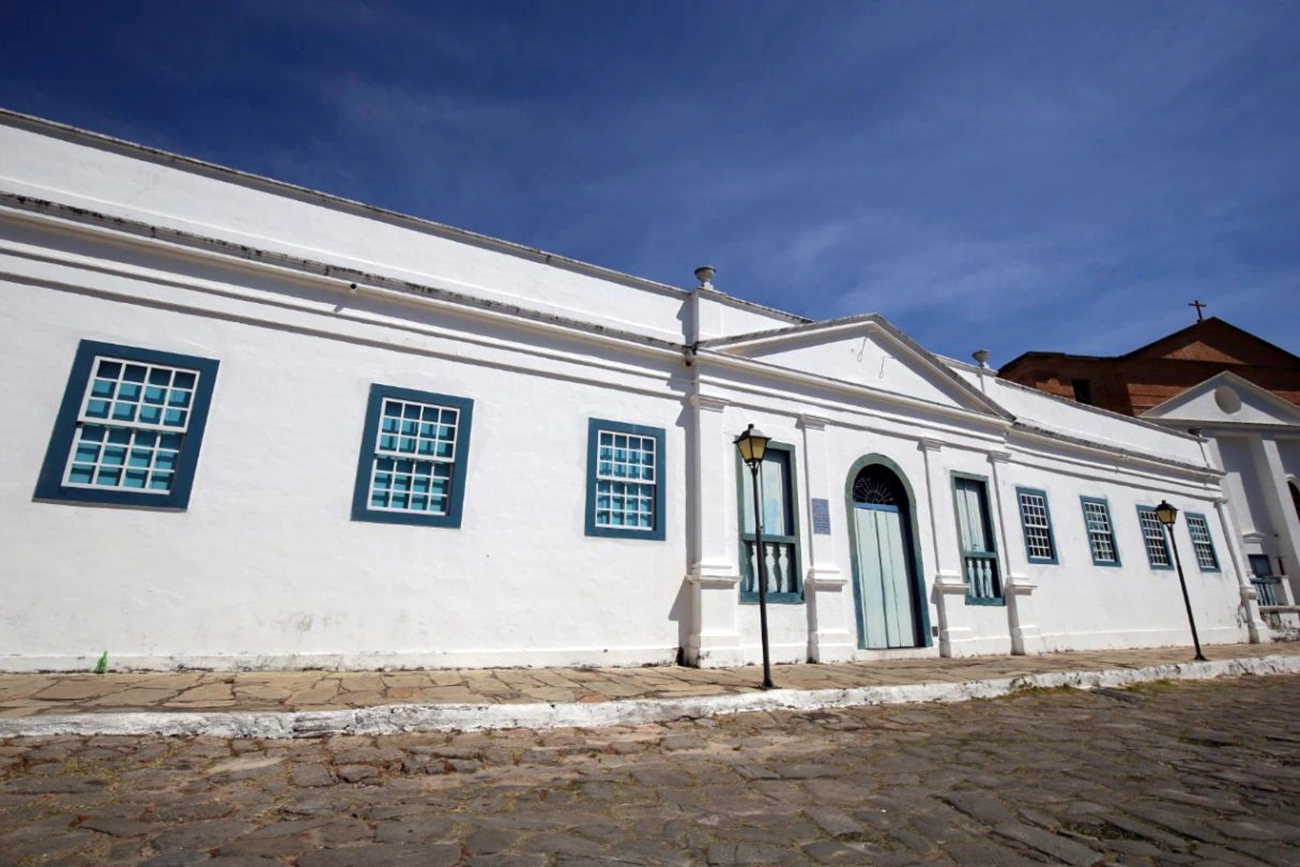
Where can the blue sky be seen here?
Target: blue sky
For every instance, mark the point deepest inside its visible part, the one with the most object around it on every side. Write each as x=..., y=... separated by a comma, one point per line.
x=1014, y=175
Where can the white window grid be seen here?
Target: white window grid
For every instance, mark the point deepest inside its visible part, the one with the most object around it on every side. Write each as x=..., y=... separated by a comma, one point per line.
x=1153, y=534
x=1038, y=531
x=626, y=467
x=415, y=452
x=1100, y=535
x=1201, y=542
x=131, y=425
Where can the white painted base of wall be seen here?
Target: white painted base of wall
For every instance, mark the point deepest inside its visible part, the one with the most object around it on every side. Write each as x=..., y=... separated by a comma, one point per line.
x=780, y=654
x=831, y=647
x=963, y=646
x=1058, y=642
x=558, y=658
x=861, y=655
x=1026, y=641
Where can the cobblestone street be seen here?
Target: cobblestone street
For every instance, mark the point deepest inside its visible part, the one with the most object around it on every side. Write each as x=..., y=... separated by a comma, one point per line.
x=1198, y=773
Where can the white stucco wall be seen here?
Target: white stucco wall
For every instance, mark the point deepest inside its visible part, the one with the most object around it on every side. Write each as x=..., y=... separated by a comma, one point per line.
x=265, y=568
x=1242, y=483
x=1080, y=605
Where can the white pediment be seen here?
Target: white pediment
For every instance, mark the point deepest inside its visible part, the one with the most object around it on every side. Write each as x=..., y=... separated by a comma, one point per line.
x=865, y=351
x=1226, y=399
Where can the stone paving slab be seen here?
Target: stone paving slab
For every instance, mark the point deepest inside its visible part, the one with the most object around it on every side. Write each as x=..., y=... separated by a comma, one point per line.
x=23, y=695
x=310, y=703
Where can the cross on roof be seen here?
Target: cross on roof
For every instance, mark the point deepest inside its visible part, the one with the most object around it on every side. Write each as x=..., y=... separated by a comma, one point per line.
x=1199, y=307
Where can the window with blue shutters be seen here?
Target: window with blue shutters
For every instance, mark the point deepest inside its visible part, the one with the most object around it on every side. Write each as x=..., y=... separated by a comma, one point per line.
x=129, y=429
x=1036, y=521
x=625, y=485
x=778, y=496
x=1153, y=537
x=1101, y=532
x=414, y=455
x=979, y=552
x=1202, y=544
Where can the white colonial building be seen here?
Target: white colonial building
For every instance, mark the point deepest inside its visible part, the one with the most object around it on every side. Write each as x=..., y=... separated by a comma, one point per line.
x=252, y=425
x=1254, y=437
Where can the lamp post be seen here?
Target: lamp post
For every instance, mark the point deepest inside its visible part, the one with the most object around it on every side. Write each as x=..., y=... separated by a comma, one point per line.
x=1167, y=515
x=752, y=445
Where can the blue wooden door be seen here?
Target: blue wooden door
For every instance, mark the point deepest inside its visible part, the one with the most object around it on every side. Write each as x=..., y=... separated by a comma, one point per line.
x=884, y=594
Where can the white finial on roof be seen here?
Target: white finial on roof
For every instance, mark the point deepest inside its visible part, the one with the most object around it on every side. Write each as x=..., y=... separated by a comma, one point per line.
x=981, y=356
x=704, y=274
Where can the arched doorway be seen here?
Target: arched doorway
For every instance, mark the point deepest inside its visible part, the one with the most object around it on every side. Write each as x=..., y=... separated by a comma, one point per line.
x=887, y=595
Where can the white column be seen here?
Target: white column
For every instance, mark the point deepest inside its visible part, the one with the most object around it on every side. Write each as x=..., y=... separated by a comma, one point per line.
x=714, y=576
x=949, y=582
x=825, y=595
x=1255, y=625
x=1018, y=590
x=1268, y=464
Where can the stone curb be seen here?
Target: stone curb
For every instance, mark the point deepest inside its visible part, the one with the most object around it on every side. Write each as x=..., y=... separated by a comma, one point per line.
x=400, y=718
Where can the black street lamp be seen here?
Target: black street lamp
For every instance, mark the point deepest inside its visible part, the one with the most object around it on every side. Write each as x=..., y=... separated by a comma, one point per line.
x=752, y=445
x=1167, y=515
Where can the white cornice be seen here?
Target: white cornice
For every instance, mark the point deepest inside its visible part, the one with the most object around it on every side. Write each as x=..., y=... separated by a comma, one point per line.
x=223, y=300
x=341, y=279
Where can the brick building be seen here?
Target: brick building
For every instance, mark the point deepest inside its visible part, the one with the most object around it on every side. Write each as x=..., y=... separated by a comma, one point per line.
x=1139, y=380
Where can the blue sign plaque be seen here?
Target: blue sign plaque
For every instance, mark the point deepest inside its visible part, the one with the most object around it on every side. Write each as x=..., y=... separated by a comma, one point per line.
x=821, y=517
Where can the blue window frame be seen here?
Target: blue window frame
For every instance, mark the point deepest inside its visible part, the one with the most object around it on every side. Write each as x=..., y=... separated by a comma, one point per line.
x=1153, y=538
x=1101, y=531
x=779, y=494
x=1202, y=543
x=979, y=551
x=1036, y=521
x=625, y=484
x=130, y=427
x=414, y=454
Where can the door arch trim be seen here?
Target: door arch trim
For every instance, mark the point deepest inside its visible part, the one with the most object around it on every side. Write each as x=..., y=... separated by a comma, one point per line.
x=922, y=609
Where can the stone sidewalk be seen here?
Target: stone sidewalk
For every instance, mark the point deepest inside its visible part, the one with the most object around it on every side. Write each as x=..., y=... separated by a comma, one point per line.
x=297, y=703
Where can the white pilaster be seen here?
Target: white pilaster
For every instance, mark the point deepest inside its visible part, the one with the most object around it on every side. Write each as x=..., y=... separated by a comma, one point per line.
x=1285, y=522
x=825, y=585
x=714, y=576
x=1018, y=590
x=948, y=579
x=1255, y=625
